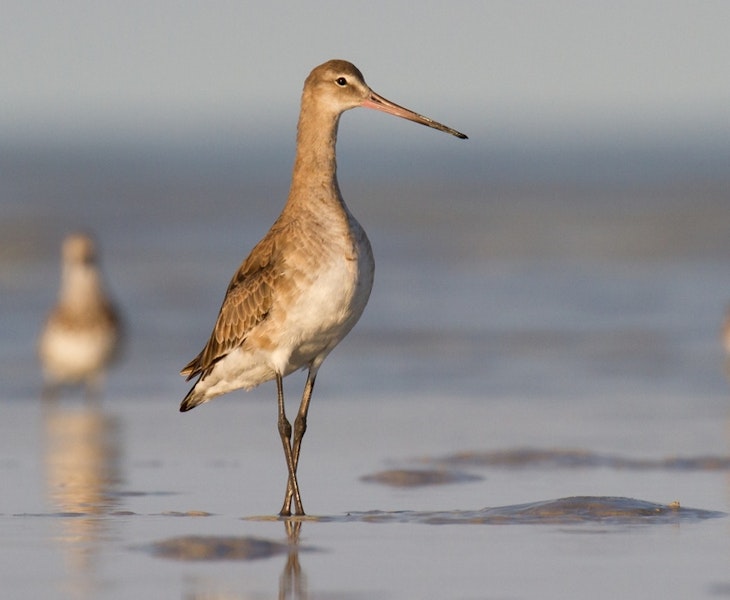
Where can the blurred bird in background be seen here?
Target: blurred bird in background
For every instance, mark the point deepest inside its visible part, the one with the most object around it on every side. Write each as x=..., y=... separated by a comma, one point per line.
x=82, y=333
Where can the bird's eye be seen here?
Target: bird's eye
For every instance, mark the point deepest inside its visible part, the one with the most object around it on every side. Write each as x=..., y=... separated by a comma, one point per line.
x=341, y=81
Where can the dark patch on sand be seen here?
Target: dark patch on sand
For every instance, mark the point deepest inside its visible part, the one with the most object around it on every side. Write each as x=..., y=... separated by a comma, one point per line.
x=215, y=548
x=419, y=477
x=187, y=513
x=571, y=458
x=572, y=510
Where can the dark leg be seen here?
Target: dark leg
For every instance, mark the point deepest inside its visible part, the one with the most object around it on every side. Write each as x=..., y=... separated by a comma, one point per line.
x=285, y=434
x=49, y=393
x=300, y=427
x=93, y=387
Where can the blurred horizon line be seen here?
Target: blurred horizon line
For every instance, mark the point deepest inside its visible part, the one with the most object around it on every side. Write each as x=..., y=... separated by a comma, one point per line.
x=385, y=149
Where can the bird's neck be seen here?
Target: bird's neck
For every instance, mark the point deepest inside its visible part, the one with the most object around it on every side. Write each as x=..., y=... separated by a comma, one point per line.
x=314, y=179
x=81, y=289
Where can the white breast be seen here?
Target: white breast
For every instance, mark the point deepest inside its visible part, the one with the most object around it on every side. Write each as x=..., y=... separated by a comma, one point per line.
x=326, y=309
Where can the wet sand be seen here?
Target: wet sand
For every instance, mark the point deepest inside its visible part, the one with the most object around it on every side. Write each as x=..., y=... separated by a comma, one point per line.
x=130, y=499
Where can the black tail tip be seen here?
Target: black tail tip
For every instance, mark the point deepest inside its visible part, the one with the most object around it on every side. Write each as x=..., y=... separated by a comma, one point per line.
x=190, y=401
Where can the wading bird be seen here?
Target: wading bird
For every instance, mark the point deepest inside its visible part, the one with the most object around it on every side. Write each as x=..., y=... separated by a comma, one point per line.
x=82, y=333
x=306, y=283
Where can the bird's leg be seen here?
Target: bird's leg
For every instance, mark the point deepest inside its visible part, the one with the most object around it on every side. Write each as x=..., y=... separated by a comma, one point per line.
x=49, y=393
x=285, y=434
x=300, y=427
x=300, y=423
x=93, y=387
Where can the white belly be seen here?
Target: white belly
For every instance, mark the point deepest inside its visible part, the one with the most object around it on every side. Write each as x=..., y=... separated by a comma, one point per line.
x=72, y=355
x=326, y=309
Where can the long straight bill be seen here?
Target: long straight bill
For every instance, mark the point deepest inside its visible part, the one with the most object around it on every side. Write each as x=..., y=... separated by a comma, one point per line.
x=377, y=102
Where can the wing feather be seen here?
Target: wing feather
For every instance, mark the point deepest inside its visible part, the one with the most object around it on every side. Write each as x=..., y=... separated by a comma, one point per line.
x=247, y=303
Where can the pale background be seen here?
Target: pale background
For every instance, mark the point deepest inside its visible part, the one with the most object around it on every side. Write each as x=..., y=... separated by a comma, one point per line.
x=505, y=68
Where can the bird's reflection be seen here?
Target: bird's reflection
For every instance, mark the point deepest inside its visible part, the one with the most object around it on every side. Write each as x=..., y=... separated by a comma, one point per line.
x=725, y=340
x=293, y=581
x=82, y=466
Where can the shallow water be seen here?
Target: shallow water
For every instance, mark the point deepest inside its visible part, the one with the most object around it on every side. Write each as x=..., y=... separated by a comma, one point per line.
x=132, y=499
x=534, y=404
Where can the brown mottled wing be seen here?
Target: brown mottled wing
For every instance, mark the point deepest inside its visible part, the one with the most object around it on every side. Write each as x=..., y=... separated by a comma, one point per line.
x=247, y=303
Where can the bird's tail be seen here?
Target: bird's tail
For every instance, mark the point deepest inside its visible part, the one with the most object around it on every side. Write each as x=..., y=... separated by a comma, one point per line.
x=192, y=399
